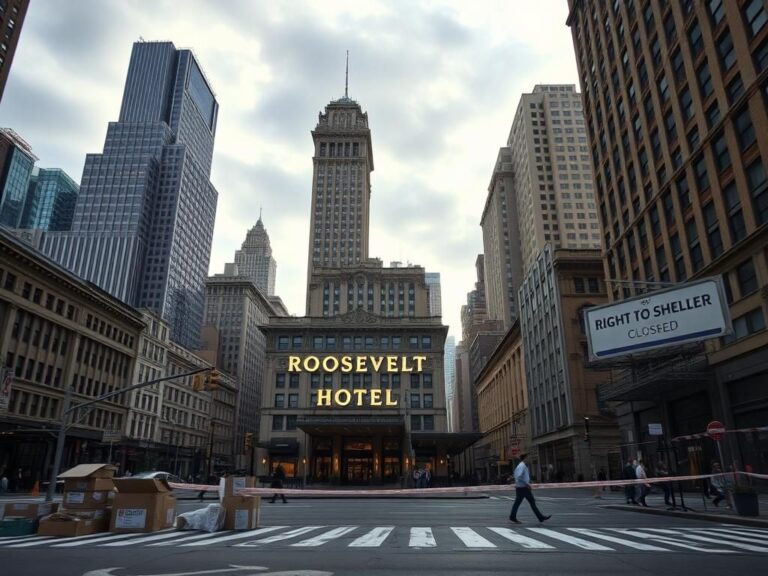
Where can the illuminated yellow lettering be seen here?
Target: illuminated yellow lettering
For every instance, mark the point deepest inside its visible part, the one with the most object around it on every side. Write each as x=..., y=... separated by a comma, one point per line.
x=360, y=366
x=315, y=363
x=376, y=365
x=360, y=394
x=404, y=366
x=345, y=393
x=388, y=401
x=330, y=366
x=346, y=364
x=375, y=397
x=391, y=363
x=294, y=364
x=324, y=397
x=419, y=360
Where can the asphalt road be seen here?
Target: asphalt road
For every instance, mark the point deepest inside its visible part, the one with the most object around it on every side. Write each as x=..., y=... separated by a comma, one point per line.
x=419, y=537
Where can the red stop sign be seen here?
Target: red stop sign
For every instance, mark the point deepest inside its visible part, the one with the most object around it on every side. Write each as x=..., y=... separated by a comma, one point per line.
x=715, y=430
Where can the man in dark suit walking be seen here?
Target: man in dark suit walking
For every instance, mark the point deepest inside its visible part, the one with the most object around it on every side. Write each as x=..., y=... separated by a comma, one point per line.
x=523, y=490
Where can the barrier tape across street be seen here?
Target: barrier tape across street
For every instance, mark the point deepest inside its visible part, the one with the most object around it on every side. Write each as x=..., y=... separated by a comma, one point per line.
x=457, y=489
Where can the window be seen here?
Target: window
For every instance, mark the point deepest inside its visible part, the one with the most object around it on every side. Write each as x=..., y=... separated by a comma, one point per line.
x=278, y=422
x=296, y=343
x=279, y=400
x=429, y=422
x=594, y=285
x=427, y=400
x=280, y=380
x=735, y=215
x=697, y=44
x=683, y=192
x=755, y=15
x=283, y=343
x=415, y=400
x=758, y=190
x=293, y=400
x=653, y=214
x=735, y=89
x=726, y=51
x=290, y=422
x=426, y=342
x=426, y=379
x=705, y=81
x=317, y=343
x=702, y=178
x=713, y=230
x=749, y=323
x=745, y=131
x=686, y=104
x=578, y=285
x=694, y=247
x=293, y=381
x=413, y=342
x=415, y=422
x=747, y=278
x=720, y=151
x=716, y=11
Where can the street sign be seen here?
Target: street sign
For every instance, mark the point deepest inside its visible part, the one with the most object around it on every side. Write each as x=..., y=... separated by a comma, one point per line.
x=715, y=430
x=655, y=430
x=6, y=377
x=689, y=312
x=114, y=435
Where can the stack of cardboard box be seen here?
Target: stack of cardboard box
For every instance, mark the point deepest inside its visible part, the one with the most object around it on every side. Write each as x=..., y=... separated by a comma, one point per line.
x=142, y=505
x=242, y=512
x=21, y=518
x=88, y=493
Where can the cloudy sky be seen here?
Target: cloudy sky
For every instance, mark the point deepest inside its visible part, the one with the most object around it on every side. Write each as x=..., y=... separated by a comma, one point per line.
x=440, y=82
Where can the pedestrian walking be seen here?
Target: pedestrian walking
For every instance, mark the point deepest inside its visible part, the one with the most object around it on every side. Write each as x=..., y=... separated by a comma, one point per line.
x=662, y=472
x=3, y=481
x=277, y=482
x=601, y=477
x=427, y=476
x=523, y=491
x=645, y=488
x=717, y=484
x=629, y=490
x=417, y=477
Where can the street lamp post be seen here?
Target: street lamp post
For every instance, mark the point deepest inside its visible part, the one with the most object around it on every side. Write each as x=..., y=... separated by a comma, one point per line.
x=68, y=409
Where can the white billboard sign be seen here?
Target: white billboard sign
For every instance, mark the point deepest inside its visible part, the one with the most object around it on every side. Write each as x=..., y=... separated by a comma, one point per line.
x=686, y=313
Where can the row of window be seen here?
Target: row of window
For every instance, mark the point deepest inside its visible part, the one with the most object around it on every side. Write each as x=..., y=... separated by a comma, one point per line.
x=417, y=400
x=353, y=381
x=356, y=343
x=340, y=149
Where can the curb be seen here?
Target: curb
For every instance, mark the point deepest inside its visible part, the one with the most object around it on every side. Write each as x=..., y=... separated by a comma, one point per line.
x=743, y=520
x=359, y=497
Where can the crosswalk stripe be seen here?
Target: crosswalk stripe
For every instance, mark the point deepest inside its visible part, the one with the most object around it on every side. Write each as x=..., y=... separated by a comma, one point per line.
x=283, y=536
x=524, y=541
x=325, y=537
x=24, y=539
x=752, y=534
x=669, y=541
x=615, y=540
x=422, y=537
x=738, y=537
x=235, y=536
x=585, y=544
x=104, y=537
x=374, y=538
x=43, y=540
x=709, y=539
x=471, y=538
x=196, y=536
x=151, y=538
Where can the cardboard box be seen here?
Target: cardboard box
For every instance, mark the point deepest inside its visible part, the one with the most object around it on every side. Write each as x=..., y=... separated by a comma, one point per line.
x=88, y=484
x=17, y=527
x=101, y=514
x=142, y=505
x=29, y=509
x=243, y=512
x=67, y=525
x=231, y=485
x=83, y=471
x=88, y=500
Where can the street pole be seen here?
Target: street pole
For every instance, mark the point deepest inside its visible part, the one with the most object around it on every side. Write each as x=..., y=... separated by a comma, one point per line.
x=67, y=408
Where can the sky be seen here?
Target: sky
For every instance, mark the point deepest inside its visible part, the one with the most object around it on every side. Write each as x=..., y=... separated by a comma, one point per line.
x=440, y=81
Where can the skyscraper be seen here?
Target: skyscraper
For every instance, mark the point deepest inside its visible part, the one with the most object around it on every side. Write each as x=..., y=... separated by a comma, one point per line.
x=51, y=200
x=341, y=187
x=552, y=172
x=254, y=259
x=12, y=14
x=435, y=300
x=143, y=223
x=501, y=242
x=675, y=97
x=16, y=164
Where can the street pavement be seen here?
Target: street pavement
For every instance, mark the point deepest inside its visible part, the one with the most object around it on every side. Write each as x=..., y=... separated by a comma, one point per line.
x=421, y=537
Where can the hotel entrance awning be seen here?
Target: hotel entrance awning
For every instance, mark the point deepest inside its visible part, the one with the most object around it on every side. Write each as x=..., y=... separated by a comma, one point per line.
x=454, y=442
x=329, y=425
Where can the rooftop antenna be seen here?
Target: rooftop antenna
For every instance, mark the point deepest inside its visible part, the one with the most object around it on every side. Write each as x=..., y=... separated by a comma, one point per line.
x=346, y=79
x=259, y=212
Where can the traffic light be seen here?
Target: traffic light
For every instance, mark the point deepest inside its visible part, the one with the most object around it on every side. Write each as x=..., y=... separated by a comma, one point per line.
x=214, y=379
x=248, y=442
x=586, y=429
x=198, y=383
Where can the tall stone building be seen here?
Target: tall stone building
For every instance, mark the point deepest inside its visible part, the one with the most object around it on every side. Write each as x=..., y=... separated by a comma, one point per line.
x=675, y=97
x=11, y=20
x=450, y=379
x=501, y=242
x=552, y=172
x=435, y=294
x=143, y=223
x=254, y=259
x=332, y=411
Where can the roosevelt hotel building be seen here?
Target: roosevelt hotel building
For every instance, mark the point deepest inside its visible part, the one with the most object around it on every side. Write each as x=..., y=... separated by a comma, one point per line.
x=355, y=306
